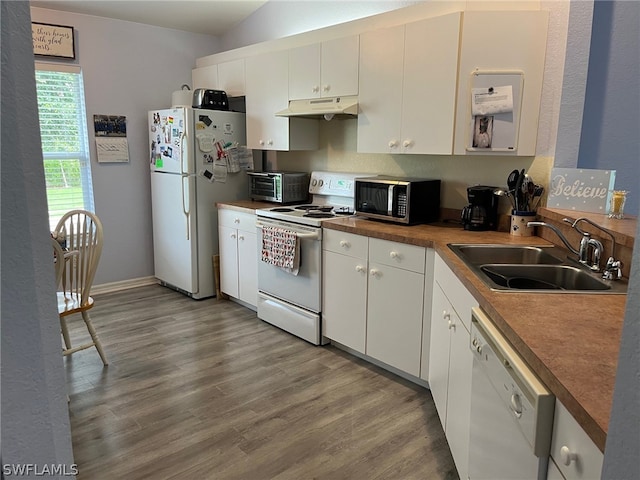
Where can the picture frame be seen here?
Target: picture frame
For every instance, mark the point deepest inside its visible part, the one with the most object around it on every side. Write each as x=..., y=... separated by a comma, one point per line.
x=51, y=40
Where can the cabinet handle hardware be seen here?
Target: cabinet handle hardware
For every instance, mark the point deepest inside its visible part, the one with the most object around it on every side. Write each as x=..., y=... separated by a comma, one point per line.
x=360, y=268
x=240, y=237
x=375, y=272
x=315, y=89
x=393, y=143
x=393, y=254
x=261, y=142
x=326, y=88
x=236, y=220
x=407, y=143
x=568, y=456
x=345, y=244
x=233, y=235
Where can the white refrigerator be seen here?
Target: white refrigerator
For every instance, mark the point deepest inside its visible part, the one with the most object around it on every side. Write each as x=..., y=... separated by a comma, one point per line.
x=188, y=177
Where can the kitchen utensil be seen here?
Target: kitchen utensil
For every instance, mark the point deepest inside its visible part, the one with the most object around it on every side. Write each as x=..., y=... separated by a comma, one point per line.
x=518, y=190
x=512, y=180
x=537, y=195
x=504, y=193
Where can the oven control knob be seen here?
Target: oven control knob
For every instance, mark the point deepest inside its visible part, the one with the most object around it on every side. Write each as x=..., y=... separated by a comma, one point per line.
x=314, y=182
x=321, y=182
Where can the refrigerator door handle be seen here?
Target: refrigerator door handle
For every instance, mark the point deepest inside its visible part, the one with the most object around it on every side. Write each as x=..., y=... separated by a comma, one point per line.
x=183, y=141
x=187, y=213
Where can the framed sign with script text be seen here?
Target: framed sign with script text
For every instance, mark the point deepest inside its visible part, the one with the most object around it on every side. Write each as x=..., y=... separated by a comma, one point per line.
x=53, y=40
x=581, y=189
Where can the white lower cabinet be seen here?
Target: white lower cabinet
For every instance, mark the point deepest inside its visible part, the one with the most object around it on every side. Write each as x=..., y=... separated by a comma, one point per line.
x=394, y=304
x=451, y=360
x=574, y=456
x=238, y=255
x=373, y=297
x=344, y=287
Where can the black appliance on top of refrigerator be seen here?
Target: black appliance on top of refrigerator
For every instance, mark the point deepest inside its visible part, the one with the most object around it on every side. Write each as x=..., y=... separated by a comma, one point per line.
x=482, y=211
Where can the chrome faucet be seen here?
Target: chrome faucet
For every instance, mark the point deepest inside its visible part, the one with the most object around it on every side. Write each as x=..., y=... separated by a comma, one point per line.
x=590, y=250
x=613, y=268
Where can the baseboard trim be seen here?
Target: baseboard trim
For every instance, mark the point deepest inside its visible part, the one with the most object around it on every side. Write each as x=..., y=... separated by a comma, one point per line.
x=123, y=285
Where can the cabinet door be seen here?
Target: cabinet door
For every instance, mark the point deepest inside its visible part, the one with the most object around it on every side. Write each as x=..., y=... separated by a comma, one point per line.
x=380, y=90
x=267, y=80
x=429, y=84
x=344, y=300
x=442, y=316
x=459, y=396
x=304, y=72
x=248, y=267
x=339, y=67
x=231, y=77
x=394, y=316
x=204, y=77
x=228, y=238
x=503, y=41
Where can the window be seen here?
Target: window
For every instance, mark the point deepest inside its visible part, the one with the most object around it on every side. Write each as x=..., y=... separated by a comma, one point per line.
x=65, y=143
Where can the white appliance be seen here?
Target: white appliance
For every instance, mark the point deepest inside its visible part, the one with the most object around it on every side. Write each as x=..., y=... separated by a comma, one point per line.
x=293, y=302
x=186, y=144
x=511, y=410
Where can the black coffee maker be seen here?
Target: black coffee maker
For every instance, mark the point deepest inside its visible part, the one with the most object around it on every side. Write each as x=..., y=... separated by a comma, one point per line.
x=482, y=211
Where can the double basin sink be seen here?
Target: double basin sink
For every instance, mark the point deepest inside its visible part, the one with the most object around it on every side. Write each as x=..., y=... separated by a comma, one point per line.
x=519, y=268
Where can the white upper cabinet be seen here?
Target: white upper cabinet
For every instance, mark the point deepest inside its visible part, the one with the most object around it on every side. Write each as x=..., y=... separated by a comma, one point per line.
x=267, y=92
x=227, y=76
x=327, y=69
x=407, y=87
x=204, y=77
x=231, y=77
x=505, y=48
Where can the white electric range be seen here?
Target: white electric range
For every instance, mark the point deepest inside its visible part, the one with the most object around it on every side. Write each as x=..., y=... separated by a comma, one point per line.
x=293, y=302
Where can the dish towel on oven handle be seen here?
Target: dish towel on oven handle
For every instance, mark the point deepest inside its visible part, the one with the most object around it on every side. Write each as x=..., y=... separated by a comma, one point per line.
x=281, y=248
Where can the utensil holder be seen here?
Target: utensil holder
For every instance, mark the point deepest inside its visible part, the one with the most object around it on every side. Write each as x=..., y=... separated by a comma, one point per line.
x=519, y=220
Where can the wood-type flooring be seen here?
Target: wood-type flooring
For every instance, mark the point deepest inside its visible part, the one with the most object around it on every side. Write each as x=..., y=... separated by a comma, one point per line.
x=206, y=390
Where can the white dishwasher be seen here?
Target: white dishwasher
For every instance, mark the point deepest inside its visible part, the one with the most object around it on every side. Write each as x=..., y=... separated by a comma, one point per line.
x=511, y=410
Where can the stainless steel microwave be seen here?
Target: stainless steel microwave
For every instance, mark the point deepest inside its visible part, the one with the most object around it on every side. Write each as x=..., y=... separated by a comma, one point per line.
x=279, y=187
x=398, y=199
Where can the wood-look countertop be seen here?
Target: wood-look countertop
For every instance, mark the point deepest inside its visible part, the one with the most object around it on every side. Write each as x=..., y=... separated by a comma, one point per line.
x=571, y=341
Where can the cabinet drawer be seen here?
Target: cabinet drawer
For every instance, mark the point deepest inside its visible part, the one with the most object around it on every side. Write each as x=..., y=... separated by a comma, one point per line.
x=401, y=255
x=236, y=219
x=570, y=444
x=457, y=294
x=345, y=243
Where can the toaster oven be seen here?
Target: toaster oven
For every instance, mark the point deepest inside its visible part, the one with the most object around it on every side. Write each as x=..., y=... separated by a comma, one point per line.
x=279, y=187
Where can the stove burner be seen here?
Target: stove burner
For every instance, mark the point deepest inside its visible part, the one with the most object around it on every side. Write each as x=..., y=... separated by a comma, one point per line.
x=315, y=208
x=319, y=215
x=281, y=209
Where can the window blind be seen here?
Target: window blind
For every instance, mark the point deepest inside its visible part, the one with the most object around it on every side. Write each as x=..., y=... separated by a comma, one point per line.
x=65, y=143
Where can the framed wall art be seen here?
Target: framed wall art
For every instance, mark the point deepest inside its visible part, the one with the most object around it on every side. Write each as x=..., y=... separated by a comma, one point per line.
x=53, y=40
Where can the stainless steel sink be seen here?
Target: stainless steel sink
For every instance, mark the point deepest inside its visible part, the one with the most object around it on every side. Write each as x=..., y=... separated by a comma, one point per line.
x=481, y=254
x=523, y=268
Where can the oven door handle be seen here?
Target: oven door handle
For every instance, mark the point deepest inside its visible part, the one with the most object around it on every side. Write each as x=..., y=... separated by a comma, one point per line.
x=303, y=236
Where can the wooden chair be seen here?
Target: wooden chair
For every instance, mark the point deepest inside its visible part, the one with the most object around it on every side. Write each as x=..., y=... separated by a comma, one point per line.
x=83, y=233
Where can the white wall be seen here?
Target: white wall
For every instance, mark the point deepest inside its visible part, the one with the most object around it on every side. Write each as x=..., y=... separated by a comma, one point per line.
x=278, y=18
x=128, y=69
x=35, y=417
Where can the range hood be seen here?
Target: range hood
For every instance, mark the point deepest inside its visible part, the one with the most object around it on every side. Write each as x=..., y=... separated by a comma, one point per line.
x=325, y=108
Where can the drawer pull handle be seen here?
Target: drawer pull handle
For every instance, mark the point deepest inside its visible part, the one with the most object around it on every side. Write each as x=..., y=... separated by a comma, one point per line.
x=360, y=268
x=393, y=254
x=344, y=244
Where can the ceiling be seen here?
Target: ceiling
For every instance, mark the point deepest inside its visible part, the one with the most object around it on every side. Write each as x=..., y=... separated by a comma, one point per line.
x=212, y=17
